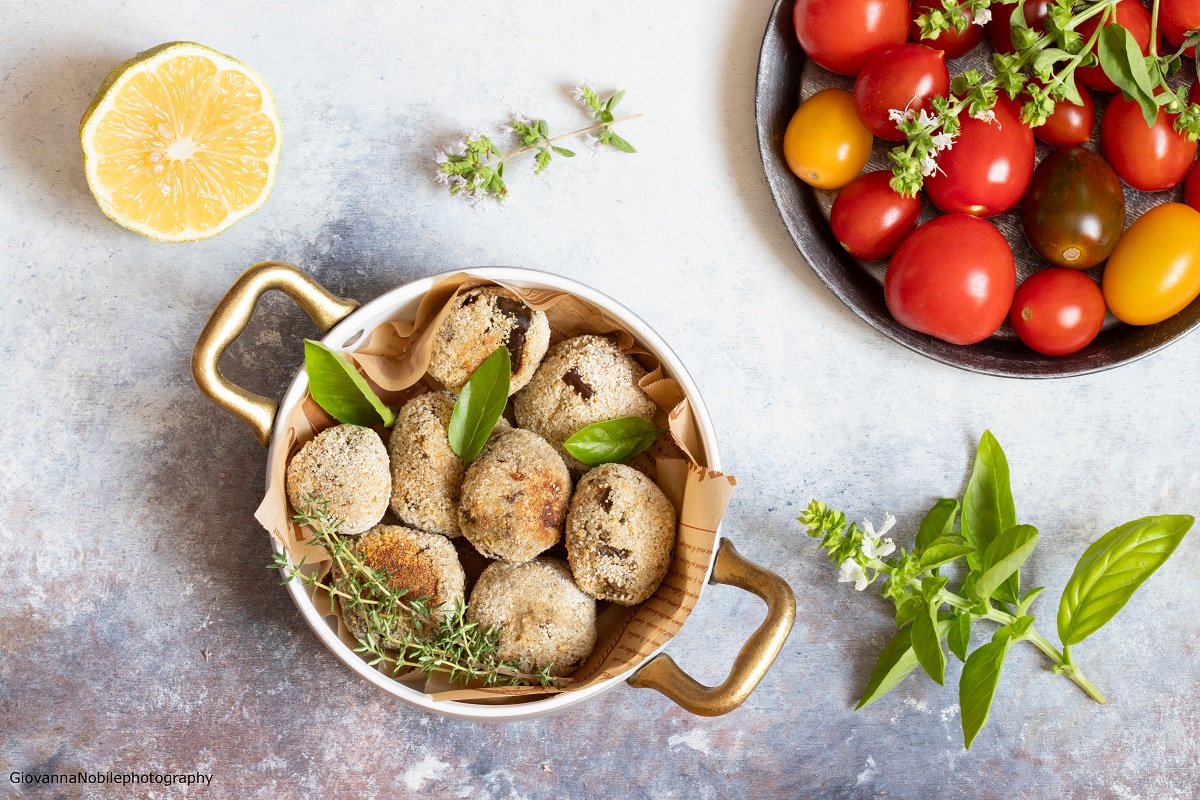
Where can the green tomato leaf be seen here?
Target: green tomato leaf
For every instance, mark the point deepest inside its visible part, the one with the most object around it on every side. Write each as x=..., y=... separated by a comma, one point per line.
x=894, y=664
x=480, y=404
x=1112, y=569
x=927, y=644
x=616, y=440
x=1003, y=557
x=988, y=508
x=1122, y=61
x=338, y=388
x=959, y=637
x=977, y=686
x=938, y=522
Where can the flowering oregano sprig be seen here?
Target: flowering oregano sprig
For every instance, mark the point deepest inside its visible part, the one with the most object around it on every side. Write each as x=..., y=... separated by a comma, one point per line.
x=474, y=167
x=994, y=547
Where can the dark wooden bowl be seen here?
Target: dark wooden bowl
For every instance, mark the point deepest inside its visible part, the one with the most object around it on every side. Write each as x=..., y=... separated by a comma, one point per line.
x=784, y=76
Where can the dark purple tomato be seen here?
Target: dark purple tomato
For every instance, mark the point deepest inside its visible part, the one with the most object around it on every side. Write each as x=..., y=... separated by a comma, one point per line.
x=1074, y=211
x=902, y=77
x=952, y=42
x=870, y=218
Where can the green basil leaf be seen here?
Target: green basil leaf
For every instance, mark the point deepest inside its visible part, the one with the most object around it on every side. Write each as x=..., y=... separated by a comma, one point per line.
x=908, y=610
x=1003, y=557
x=338, y=388
x=894, y=664
x=616, y=440
x=480, y=404
x=988, y=508
x=1122, y=61
x=562, y=151
x=943, y=552
x=927, y=644
x=616, y=98
x=938, y=522
x=606, y=116
x=1027, y=602
x=1112, y=569
x=959, y=637
x=1046, y=59
x=977, y=686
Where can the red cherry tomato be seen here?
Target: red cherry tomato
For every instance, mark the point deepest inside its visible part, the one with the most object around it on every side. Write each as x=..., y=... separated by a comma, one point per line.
x=1191, y=189
x=1057, y=311
x=989, y=167
x=1132, y=15
x=1176, y=18
x=842, y=35
x=953, y=278
x=954, y=43
x=870, y=219
x=1194, y=92
x=1149, y=159
x=1069, y=124
x=999, y=30
x=901, y=77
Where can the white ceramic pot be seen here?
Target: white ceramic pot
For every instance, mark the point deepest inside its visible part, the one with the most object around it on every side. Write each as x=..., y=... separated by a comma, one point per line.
x=346, y=327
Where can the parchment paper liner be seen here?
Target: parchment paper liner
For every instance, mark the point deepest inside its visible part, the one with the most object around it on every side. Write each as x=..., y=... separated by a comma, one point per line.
x=394, y=359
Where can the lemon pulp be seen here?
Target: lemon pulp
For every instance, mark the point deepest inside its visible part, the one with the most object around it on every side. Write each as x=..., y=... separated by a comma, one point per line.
x=181, y=142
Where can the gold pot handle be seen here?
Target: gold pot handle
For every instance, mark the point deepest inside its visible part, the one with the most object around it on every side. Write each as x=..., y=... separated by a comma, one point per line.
x=229, y=319
x=757, y=654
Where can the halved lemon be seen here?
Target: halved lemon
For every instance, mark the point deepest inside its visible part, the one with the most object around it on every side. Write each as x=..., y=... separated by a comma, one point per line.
x=180, y=142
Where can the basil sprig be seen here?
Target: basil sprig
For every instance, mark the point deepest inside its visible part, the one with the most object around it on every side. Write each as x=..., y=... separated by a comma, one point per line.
x=994, y=547
x=613, y=441
x=338, y=388
x=480, y=404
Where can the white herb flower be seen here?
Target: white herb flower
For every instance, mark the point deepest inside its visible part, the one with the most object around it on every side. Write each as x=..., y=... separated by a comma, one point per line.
x=577, y=92
x=929, y=167
x=889, y=522
x=851, y=572
x=457, y=149
x=459, y=181
x=874, y=548
x=522, y=119
x=477, y=180
x=440, y=157
x=896, y=115
x=924, y=119
x=442, y=178
x=943, y=141
x=982, y=16
x=985, y=116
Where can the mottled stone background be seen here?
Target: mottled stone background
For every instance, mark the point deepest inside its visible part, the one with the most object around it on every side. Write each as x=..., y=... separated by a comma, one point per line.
x=138, y=627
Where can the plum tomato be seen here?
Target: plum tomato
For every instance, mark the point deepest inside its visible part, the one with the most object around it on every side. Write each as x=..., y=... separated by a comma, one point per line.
x=870, y=218
x=1057, y=311
x=1149, y=159
x=1135, y=18
x=999, y=29
x=825, y=145
x=1191, y=189
x=954, y=43
x=1074, y=211
x=989, y=167
x=903, y=77
x=952, y=278
x=1069, y=124
x=842, y=35
x=1176, y=18
x=1155, y=271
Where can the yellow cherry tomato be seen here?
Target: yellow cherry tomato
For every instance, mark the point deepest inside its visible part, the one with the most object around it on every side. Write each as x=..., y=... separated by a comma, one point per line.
x=825, y=144
x=1155, y=270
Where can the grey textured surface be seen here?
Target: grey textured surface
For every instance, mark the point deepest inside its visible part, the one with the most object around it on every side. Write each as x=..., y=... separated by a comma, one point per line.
x=139, y=629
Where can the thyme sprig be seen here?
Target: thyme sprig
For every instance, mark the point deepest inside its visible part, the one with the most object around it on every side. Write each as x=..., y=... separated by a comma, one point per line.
x=474, y=167
x=405, y=632
x=1052, y=57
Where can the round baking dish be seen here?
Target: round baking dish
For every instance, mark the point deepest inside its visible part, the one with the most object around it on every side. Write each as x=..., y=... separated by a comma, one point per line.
x=346, y=326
